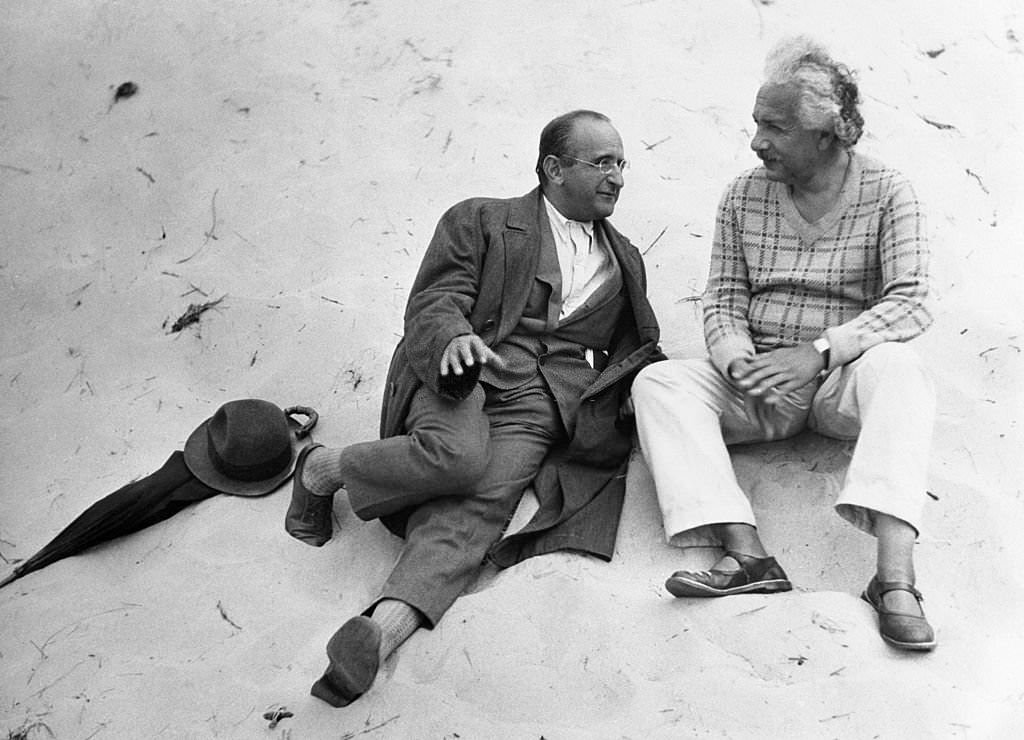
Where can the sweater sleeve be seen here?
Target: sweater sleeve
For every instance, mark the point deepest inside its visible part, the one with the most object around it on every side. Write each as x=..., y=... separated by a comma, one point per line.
x=901, y=311
x=727, y=295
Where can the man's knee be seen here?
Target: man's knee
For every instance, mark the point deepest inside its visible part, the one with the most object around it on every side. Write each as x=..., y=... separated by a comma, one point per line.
x=456, y=460
x=892, y=355
x=668, y=374
x=894, y=362
x=671, y=379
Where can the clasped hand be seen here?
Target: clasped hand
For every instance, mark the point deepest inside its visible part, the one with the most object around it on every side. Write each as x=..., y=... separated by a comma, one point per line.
x=465, y=351
x=771, y=375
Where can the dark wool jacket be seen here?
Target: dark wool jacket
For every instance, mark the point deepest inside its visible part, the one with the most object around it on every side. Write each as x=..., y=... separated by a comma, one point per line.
x=476, y=277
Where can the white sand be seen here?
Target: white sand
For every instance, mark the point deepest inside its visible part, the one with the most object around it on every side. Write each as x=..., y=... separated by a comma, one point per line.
x=294, y=158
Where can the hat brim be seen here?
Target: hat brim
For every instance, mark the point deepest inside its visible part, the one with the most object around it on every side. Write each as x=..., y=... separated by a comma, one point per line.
x=198, y=461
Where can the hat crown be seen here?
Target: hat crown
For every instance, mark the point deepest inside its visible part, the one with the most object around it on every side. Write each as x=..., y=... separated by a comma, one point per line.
x=249, y=440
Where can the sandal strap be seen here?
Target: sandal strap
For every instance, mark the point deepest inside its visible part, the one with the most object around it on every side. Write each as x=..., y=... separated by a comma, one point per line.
x=753, y=566
x=884, y=587
x=743, y=558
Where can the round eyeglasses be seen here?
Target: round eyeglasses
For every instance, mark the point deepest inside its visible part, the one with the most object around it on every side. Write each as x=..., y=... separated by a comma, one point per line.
x=606, y=166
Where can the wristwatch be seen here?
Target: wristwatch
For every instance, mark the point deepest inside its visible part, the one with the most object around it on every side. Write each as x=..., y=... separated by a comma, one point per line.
x=824, y=349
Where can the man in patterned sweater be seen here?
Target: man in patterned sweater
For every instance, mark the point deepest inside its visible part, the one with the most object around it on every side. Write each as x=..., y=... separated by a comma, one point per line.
x=818, y=278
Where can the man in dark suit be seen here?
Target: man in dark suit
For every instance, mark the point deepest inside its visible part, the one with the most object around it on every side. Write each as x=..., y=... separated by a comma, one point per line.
x=524, y=329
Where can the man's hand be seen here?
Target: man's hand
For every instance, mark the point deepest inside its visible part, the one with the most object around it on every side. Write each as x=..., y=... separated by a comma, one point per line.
x=464, y=351
x=775, y=373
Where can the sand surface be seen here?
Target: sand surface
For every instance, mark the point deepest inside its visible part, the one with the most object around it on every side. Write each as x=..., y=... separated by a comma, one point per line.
x=292, y=158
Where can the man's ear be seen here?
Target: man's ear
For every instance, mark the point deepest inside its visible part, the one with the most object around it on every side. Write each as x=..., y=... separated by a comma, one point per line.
x=825, y=140
x=552, y=166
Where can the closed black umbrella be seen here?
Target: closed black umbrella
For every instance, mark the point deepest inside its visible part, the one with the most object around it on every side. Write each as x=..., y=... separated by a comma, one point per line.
x=137, y=505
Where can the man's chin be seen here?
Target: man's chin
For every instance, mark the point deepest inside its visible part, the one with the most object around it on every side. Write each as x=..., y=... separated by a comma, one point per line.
x=605, y=206
x=772, y=170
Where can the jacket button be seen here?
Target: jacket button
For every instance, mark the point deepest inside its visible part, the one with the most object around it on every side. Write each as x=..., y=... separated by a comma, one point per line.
x=489, y=324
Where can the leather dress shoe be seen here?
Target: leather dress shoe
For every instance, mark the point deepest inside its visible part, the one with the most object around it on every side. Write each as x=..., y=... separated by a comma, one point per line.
x=354, y=656
x=309, y=516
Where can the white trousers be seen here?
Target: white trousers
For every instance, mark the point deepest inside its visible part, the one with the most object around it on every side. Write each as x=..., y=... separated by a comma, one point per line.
x=687, y=413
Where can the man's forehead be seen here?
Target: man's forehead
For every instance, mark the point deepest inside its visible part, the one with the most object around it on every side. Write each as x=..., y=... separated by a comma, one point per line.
x=776, y=102
x=595, y=135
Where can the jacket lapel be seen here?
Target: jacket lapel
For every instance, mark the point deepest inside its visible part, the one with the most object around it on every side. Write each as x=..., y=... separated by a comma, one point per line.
x=549, y=271
x=522, y=245
x=633, y=275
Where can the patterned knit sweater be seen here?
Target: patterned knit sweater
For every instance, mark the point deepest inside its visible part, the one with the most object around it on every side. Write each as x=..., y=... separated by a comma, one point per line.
x=858, y=275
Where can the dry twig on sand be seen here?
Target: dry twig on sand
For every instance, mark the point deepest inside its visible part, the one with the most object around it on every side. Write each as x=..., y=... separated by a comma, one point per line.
x=938, y=124
x=29, y=730
x=225, y=617
x=350, y=735
x=211, y=232
x=651, y=245
x=193, y=313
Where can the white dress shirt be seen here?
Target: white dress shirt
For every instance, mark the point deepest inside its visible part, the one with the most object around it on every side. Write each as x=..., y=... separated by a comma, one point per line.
x=584, y=263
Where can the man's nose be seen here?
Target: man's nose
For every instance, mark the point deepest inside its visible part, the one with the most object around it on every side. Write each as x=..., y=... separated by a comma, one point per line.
x=616, y=179
x=758, y=142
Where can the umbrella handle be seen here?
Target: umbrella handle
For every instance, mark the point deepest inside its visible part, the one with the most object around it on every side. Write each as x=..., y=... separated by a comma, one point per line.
x=311, y=419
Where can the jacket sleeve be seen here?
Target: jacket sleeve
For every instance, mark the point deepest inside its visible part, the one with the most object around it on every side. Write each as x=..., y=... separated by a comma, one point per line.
x=443, y=295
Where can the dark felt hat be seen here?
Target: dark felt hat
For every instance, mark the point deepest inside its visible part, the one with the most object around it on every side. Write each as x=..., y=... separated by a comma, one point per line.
x=248, y=447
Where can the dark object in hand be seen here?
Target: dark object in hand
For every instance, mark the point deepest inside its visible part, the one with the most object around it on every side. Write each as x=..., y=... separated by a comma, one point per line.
x=459, y=387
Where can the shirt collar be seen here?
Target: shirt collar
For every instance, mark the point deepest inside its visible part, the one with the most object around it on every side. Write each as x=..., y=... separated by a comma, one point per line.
x=561, y=223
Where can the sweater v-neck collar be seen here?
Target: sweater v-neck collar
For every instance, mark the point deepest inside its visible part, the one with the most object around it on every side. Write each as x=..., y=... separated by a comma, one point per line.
x=808, y=231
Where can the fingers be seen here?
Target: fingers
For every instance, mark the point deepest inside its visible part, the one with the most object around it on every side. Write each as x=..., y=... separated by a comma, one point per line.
x=474, y=350
x=485, y=355
x=767, y=380
x=774, y=374
x=457, y=355
x=464, y=351
x=739, y=368
x=760, y=379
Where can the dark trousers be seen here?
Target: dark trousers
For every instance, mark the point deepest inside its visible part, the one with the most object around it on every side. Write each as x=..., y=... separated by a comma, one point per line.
x=463, y=466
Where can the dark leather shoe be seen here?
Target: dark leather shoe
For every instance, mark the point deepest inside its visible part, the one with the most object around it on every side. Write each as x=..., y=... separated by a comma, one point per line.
x=899, y=629
x=309, y=516
x=354, y=655
x=756, y=575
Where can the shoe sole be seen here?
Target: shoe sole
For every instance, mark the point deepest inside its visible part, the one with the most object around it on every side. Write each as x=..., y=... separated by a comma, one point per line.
x=922, y=647
x=684, y=587
x=918, y=646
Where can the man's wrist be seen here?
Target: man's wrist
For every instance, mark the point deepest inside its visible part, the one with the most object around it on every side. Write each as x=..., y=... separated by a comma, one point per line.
x=824, y=349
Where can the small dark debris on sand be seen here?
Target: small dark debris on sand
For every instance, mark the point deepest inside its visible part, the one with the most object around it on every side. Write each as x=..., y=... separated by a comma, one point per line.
x=192, y=314
x=275, y=714
x=125, y=90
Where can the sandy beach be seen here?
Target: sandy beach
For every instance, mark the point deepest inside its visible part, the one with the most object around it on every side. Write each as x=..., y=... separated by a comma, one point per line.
x=287, y=162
